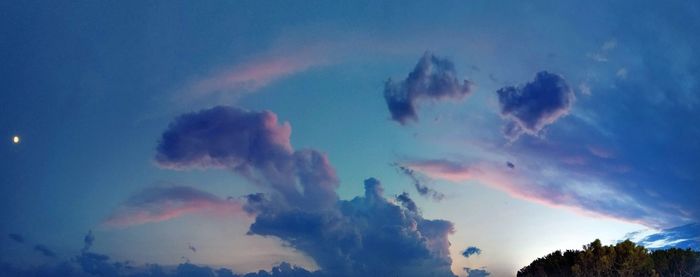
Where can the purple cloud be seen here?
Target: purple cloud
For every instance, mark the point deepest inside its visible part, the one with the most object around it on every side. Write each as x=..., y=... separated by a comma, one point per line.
x=433, y=78
x=531, y=107
x=254, y=145
x=364, y=236
x=163, y=203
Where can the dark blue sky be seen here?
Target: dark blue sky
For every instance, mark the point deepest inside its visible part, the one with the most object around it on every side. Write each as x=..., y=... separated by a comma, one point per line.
x=156, y=125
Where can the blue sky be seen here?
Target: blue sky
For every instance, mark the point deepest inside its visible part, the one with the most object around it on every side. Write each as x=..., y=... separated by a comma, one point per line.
x=542, y=125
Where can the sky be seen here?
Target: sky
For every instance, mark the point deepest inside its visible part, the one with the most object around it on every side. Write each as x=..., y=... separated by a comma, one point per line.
x=343, y=138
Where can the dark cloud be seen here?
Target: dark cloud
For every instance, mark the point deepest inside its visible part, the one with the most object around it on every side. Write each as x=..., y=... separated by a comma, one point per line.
x=407, y=202
x=255, y=145
x=419, y=184
x=510, y=165
x=16, y=237
x=364, y=236
x=531, y=107
x=88, y=240
x=476, y=272
x=44, y=251
x=471, y=250
x=162, y=203
x=433, y=78
x=191, y=248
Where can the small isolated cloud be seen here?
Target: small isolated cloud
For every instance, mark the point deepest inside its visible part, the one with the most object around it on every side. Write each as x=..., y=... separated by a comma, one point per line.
x=16, y=237
x=44, y=251
x=476, y=272
x=621, y=73
x=531, y=107
x=162, y=203
x=584, y=88
x=433, y=78
x=470, y=251
x=420, y=185
x=602, y=54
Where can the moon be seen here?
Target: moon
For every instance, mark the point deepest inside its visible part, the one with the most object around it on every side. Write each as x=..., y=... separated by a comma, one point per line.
x=15, y=139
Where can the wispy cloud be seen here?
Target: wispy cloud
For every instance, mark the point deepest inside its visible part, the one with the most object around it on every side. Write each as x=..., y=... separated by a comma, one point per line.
x=163, y=203
x=254, y=73
x=549, y=187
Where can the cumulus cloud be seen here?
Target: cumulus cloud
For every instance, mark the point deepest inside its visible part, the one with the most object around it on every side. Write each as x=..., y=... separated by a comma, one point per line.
x=433, y=78
x=16, y=237
x=364, y=236
x=255, y=145
x=368, y=235
x=420, y=185
x=476, y=272
x=470, y=251
x=162, y=203
x=531, y=107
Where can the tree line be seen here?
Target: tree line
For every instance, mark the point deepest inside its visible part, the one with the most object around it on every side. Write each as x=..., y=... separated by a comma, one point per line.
x=623, y=259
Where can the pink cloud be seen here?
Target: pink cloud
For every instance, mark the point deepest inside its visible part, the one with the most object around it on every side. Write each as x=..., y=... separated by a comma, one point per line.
x=253, y=74
x=583, y=196
x=165, y=203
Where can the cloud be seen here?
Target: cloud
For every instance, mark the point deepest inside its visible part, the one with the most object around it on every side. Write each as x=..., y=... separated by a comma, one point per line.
x=471, y=250
x=254, y=145
x=433, y=78
x=422, y=189
x=686, y=236
x=16, y=237
x=88, y=240
x=364, y=236
x=602, y=54
x=253, y=74
x=407, y=202
x=550, y=187
x=476, y=272
x=162, y=203
x=442, y=169
x=100, y=265
x=44, y=251
x=531, y=107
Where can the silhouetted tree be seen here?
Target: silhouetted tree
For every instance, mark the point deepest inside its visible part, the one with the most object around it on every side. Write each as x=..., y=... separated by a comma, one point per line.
x=623, y=259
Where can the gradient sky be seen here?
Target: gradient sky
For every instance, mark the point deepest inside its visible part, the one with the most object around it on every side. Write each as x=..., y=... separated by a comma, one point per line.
x=91, y=87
